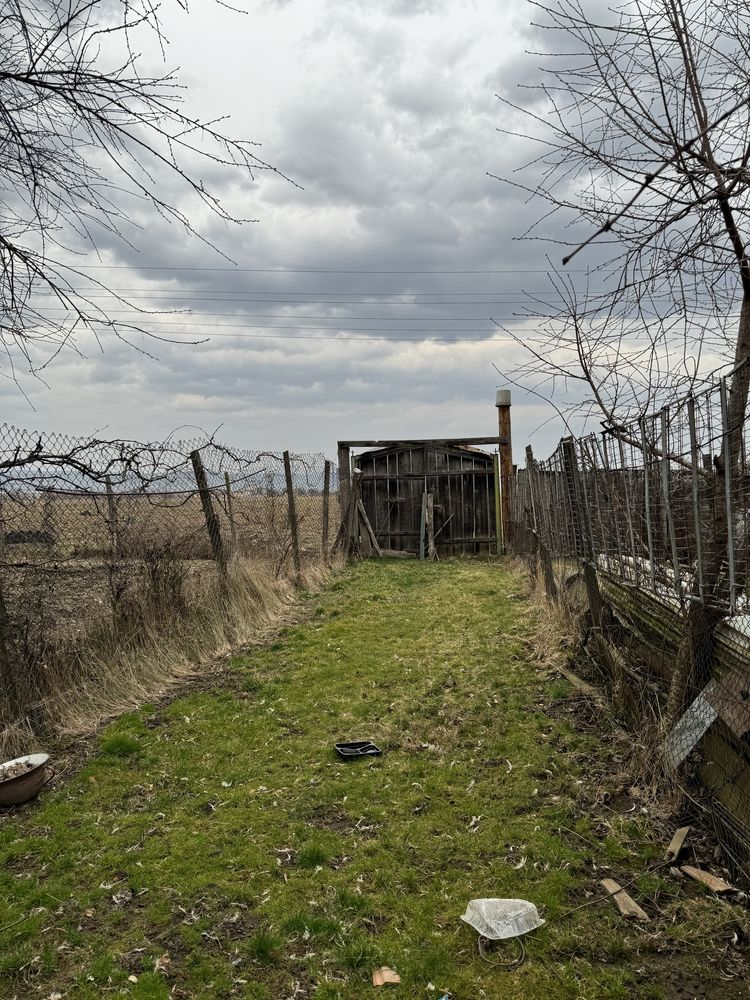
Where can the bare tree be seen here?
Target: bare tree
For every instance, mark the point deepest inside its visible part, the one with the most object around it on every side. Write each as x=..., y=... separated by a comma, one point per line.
x=641, y=124
x=87, y=134
x=641, y=129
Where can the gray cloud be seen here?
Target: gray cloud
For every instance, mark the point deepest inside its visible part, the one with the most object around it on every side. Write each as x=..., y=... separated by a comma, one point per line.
x=387, y=118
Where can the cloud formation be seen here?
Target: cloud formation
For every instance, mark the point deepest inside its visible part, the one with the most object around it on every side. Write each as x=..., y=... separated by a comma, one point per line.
x=362, y=302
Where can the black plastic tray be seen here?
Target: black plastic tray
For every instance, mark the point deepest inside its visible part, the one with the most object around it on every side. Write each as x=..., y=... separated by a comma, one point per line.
x=359, y=748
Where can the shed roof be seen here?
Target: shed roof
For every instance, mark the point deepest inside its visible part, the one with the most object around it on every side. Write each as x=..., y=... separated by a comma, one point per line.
x=428, y=446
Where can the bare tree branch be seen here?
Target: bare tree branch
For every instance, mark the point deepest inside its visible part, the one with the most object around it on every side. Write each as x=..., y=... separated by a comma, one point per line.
x=86, y=135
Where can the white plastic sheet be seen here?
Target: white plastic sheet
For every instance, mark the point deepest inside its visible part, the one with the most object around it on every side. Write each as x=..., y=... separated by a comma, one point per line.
x=498, y=919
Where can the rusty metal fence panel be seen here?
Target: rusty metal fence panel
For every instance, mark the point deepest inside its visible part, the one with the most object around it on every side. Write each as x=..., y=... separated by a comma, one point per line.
x=660, y=510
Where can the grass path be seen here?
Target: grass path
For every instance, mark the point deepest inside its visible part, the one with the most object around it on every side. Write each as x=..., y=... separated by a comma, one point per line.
x=218, y=848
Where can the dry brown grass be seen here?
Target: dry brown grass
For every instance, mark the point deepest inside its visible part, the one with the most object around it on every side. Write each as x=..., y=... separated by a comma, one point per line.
x=167, y=633
x=104, y=612
x=80, y=527
x=559, y=642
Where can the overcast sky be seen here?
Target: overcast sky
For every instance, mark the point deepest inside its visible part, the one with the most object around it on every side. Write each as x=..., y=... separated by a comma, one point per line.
x=385, y=115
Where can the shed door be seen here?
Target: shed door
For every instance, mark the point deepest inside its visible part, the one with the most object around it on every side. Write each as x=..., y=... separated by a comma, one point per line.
x=463, y=491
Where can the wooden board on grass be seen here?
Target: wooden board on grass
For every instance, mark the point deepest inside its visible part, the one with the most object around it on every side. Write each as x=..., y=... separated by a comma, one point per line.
x=624, y=903
x=713, y=882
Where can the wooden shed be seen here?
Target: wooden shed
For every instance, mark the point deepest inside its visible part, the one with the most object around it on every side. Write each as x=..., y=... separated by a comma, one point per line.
x=461, y=480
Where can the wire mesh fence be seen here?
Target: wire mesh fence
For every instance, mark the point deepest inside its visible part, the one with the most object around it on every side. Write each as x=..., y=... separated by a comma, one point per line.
x=647, y=527
x=94, y=531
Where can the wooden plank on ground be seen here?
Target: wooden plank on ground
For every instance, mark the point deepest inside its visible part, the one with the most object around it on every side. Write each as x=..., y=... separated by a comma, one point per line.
x=713, y=882
x=689, y=729
x=624, y=903
x=581, y=684
x=676, y=843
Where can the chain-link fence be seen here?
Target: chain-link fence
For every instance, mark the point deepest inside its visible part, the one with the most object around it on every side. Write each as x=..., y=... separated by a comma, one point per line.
x=96, y=536
x=646, y=529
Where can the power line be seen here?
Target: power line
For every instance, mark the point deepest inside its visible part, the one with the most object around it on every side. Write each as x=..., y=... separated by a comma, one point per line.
x=146, y=319
x=311, y=294
x=230, y=295
x=348, y=319
x=324, y=270
x=363, y=340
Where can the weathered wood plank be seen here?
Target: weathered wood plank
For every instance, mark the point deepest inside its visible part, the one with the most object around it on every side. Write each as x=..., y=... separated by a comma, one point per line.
x=713, y=882
x=292, y=513
x=431, y=474
x=676, y=843
x=368, y=528
x=624, y=903
x=344, y=461
x=427, y=442
x=422, y=523
x=212, y=521
x=430, y=526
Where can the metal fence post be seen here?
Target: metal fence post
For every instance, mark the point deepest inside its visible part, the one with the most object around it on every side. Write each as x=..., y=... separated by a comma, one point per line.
x=326, y=507
x=727, y=450
x=590, y=454
x=230, y=511
x=112, y=517
x=628, y=513
x=647, y=503
x=666, y=499
x=601, y=447
x=696, y=494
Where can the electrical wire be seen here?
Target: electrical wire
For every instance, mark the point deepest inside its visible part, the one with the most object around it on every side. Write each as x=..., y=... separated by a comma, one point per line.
x=331, y=270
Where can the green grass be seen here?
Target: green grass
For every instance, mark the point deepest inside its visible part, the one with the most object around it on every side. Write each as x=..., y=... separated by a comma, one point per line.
x=220, y=848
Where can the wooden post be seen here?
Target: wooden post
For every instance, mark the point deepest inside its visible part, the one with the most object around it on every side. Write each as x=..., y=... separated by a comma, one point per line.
x=345, y=488
x=542, y=551
x=422, y=522
x=326, y=507
x=498, y=509
x=212, y=521
x=351, y=527
x=581, y=535
x=230, y=511
x=502, y=401
x=530, y=479
x=292, y=510
x=112, y=518
x=430, y=526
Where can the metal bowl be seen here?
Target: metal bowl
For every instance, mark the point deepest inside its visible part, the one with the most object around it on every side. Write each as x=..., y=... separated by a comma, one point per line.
x=22, y=787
